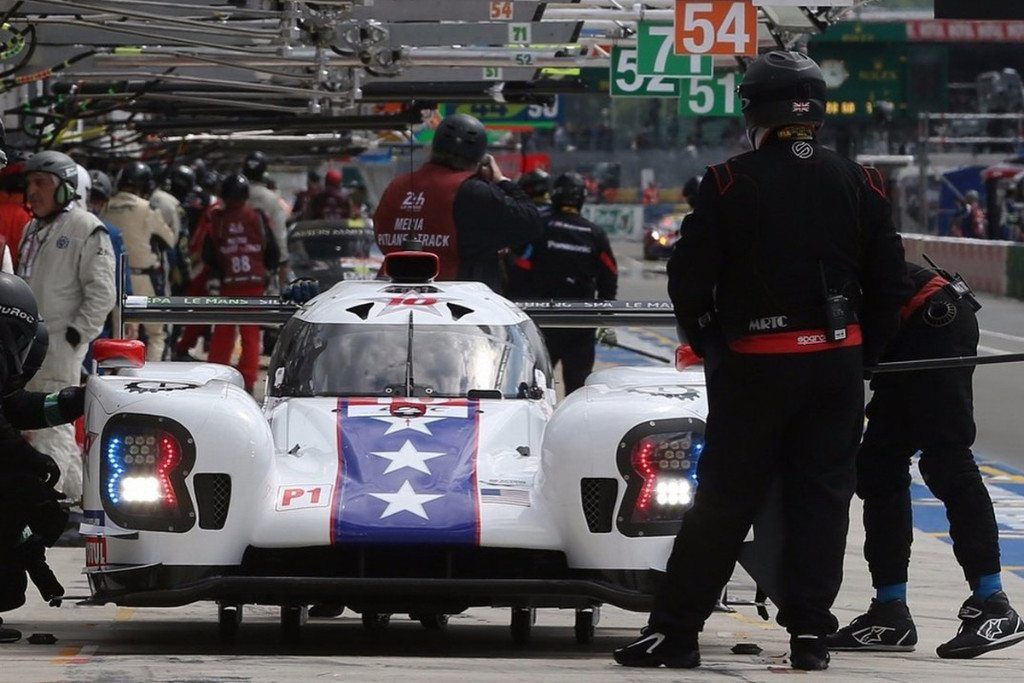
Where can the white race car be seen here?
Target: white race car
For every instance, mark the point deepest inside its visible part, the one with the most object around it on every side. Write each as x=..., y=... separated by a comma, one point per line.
x=409, y=458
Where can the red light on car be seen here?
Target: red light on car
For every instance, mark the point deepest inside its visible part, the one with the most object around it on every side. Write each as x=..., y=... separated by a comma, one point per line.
x=170, y=458
x=643, y=463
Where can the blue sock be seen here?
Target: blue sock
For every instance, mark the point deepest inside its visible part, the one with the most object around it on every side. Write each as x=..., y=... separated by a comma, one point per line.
x=895, y=591
x=988, y=585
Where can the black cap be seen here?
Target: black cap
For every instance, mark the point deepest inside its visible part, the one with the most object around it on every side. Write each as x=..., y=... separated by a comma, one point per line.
x=235, y=188
x=569, y=189
x=782, y=88
x=460, y=140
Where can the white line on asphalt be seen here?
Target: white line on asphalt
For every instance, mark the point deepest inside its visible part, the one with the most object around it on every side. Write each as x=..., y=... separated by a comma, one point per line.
x=1003, y=335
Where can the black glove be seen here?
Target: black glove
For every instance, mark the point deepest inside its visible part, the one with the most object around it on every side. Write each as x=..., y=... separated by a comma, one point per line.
x=45, y=467
x=300, y=291
x=73, y=337
x=47, y=520
x=71, y=401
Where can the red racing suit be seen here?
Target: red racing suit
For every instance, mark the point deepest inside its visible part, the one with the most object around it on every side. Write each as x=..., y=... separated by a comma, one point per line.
x=241, y=250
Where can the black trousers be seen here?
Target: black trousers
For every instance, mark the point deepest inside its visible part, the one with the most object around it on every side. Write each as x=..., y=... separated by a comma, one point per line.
x=931, y=412
x=574, y=348
x=793, y=416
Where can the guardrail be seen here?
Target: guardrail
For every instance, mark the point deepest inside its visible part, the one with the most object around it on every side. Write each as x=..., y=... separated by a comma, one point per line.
x=991, y=266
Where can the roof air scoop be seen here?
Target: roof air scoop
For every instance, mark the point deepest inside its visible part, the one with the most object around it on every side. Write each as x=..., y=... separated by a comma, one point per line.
x=411, y=266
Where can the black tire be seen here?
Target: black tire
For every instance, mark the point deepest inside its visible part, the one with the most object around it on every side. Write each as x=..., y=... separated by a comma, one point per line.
x=376, y=621
x=586, y=625
x=229, y=618
x=521, y=627
x=293, y=617
x=432, y=621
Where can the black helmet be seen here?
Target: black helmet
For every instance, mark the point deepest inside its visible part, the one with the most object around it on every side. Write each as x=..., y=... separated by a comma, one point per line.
x=101, y=184
x=781, y=88
x=536, y=184
x=136, y=176
x=34, y=359
x=183, y=181
x=19, y=320
x=569, y=189
x=460, y=140
x=208, y=180
x=690, y=189
x=235, y=188
x=255, y=166
x=60, y=165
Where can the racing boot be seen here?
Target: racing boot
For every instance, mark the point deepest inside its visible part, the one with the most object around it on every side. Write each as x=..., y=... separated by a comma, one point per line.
x=9, y=635
x=987, y=625
x=886, y=627
x=808, y=653
x=658, y=648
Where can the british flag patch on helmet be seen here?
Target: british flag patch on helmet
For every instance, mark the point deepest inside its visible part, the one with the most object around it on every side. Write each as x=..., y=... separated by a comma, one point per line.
x=801, y=107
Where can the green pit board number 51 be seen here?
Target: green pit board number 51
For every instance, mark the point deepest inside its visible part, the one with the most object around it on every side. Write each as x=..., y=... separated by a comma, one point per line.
x=710, y=96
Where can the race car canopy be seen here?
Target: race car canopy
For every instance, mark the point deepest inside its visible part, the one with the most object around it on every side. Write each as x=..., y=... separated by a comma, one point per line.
x=411, y=266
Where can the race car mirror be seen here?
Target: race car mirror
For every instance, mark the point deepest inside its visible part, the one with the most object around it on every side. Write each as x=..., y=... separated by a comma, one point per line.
x=119, y=353
x=411, y=266
x=685, y=357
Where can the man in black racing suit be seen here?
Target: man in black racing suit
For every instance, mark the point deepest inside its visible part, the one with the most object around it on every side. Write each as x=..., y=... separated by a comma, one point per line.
x=31, y=517
x=572, y=260
x=788, y=277
x=930, y=411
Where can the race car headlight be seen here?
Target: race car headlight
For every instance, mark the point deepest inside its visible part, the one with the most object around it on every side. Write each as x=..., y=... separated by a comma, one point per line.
x=145, y=460
x=658, y=460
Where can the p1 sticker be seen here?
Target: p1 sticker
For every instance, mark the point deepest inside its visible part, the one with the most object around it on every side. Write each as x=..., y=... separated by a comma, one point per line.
x=303, y=497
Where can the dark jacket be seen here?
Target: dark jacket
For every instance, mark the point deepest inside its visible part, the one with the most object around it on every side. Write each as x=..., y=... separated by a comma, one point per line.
x=490, y=217
x=769, y=226
x=572, y=260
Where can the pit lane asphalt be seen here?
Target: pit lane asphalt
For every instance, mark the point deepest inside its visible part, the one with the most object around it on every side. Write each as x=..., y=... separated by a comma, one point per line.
x=122, y=644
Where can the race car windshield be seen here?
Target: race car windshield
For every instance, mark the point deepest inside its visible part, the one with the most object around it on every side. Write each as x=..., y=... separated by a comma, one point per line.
x=323, y=240
x=317, y=359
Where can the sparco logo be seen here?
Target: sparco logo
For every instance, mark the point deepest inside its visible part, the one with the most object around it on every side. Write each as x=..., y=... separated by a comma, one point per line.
x=809, y=339
x=16, y=312
x=773, y=322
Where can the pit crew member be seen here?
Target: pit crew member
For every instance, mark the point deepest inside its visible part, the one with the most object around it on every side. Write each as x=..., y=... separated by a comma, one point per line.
x=332, y=203
x=573, y=260
x=67, y=260
x=240, y=251
x=30, y=516
x=145, y=236
x=792, y=252
x=931, y=412
x=262, y=198
x=458, y=205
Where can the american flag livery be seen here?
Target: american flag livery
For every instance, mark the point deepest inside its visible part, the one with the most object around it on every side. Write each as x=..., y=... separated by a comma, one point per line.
x=407, y=472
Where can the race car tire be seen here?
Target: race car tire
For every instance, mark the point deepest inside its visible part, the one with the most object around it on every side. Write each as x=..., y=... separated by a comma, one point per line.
x=293, y=617
x=586, y=624
x=432, y=621
x=376, y=621
x=523, y=619
x=229, y=618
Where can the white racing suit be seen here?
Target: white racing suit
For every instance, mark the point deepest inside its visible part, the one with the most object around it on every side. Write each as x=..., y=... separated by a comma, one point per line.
x=140, y=224
x=262, y=198
x=69, y=264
